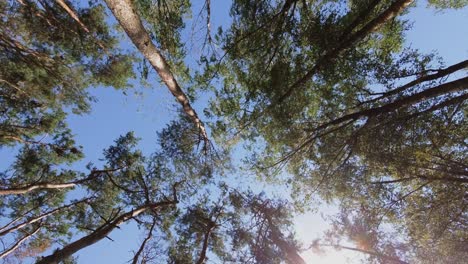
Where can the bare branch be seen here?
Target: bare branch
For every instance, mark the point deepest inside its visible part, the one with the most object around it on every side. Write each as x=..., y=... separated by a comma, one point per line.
x=142, y=246
x=51, y=185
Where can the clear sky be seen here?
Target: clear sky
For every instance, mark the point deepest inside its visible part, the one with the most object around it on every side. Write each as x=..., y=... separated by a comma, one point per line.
x=115, y=114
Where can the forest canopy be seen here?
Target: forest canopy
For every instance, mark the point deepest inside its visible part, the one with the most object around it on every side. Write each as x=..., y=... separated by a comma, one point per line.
x=314, y=102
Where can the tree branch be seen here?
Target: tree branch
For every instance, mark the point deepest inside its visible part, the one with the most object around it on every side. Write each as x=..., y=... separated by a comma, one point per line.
x=50, y=185
x=394, y=9
x=18, y=243
x=40, y=217
x=142, y=246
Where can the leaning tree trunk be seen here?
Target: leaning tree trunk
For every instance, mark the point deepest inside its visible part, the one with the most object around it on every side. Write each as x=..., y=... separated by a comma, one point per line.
x=99, y=234
x=130, y=21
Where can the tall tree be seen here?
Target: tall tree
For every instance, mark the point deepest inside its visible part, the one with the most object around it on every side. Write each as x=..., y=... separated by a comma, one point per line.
x=124, y=12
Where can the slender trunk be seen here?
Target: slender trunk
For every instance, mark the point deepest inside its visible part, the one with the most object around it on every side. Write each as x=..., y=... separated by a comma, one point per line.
x=447, y=88
x=396, y=8
x=98, y=235
x=130, y=21
x=292, y=256
x=18, y=243
x=442, y=179
x=359, y=19
x=72, y=13
x=142, y=246
x=202, y=257
x=75, y=17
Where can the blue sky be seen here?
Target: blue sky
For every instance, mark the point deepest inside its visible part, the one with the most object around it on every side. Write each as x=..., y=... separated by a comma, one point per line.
x=115, y=114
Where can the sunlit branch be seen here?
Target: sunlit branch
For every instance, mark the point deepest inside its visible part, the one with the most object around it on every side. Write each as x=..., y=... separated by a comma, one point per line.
x=18, y=243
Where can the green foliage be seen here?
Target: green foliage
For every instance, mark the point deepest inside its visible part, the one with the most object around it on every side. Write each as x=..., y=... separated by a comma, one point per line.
x=323, y=95
x=48, y=61
x=443, y=4
x=344, y=126
x=165, y=20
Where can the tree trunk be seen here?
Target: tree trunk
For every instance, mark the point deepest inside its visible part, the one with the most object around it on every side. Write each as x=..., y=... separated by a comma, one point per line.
x=202, y=257
x=396, y=8
x=292, y=256
x=129, y=20
x=97, y=235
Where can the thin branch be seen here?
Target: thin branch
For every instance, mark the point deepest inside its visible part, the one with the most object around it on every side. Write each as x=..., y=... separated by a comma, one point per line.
x=40, y=217
x=439, y=74
x=18, y=243
x=142, y=246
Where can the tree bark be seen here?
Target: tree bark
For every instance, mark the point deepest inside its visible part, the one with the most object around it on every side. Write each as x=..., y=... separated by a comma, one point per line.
x=99, y=234
x=129, y=20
